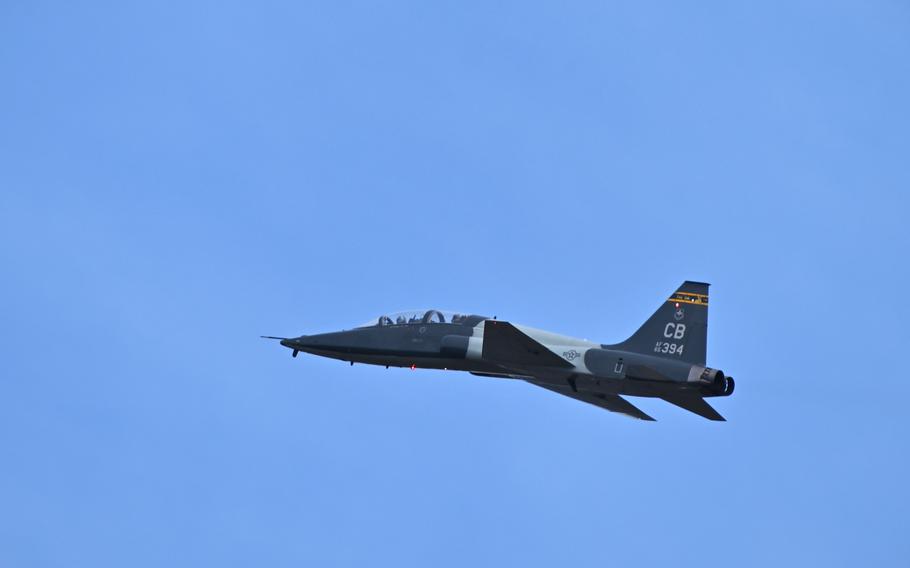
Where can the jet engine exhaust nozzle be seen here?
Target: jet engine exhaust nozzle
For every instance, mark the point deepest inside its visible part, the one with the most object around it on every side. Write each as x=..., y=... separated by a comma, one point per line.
x=713, y=381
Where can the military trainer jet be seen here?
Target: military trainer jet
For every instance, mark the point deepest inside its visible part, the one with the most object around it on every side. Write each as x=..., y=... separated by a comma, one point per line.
x=664, y=359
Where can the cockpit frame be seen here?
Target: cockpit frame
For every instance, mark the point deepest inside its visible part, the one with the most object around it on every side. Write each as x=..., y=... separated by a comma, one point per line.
x=423, y=317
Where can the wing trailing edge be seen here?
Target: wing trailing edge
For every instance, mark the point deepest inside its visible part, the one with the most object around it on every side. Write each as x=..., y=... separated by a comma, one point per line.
x=696, y=404
x=611, y=402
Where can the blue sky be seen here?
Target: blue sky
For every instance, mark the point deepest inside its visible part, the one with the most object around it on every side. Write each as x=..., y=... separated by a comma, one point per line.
x=177, y=178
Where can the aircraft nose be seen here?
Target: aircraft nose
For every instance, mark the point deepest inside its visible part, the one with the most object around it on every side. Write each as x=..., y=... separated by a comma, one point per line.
x=297, y=344
x=301, y=342
x=312, y=343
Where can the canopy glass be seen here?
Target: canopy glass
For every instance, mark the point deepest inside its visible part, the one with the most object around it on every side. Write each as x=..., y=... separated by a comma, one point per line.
x=412, y=317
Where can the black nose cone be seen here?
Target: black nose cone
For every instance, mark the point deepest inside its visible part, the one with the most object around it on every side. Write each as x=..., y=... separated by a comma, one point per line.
x=299, y=343
x=310, y=343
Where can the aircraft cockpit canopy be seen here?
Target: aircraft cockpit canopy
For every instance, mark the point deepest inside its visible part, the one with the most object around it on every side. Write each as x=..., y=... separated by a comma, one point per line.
x=411, y=317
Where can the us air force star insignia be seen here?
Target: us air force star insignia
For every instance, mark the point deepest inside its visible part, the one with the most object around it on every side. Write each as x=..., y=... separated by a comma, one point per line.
x=571, y=355
x=680, y=314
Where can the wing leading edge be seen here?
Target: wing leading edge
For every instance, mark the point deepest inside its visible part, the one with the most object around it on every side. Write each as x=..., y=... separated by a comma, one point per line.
x=505, y=344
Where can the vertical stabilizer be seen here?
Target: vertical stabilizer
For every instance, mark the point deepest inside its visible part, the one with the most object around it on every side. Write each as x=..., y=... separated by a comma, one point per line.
x=678, y=329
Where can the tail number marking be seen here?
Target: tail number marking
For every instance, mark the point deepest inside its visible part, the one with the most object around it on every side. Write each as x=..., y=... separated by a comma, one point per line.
x=672, y=331
x=675, y=330
x=669, y=348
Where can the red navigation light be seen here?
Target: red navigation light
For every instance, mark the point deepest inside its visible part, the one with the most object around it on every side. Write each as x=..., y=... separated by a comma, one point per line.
x=677, y=304
x=413, y=367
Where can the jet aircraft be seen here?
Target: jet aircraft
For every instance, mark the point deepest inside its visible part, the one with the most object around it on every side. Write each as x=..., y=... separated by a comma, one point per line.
x=664, y=359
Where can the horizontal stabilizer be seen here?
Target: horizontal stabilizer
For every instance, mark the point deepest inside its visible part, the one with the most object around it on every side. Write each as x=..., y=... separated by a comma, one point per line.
x=696, y=404
x=611, y=402
x=504, y=343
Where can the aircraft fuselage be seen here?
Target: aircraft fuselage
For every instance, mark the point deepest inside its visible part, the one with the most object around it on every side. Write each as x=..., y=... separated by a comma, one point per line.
x=665, y=358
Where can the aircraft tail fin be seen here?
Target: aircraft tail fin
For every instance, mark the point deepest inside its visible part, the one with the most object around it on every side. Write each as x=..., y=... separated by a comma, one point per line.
x=678, y=329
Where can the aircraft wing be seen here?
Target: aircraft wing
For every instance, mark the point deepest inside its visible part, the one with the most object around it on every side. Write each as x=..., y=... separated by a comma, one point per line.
x=505, y=343
x=694, y=403
x=611, y=402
